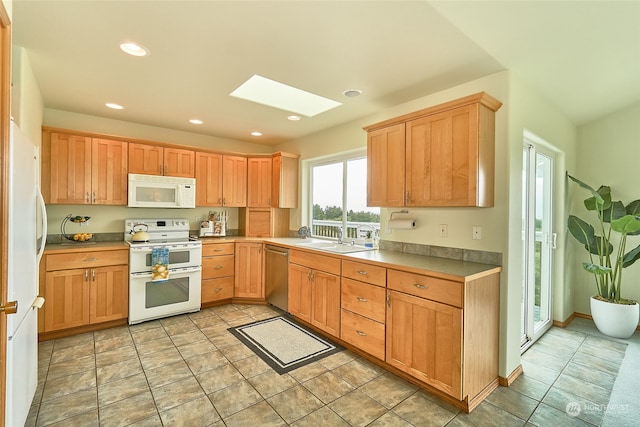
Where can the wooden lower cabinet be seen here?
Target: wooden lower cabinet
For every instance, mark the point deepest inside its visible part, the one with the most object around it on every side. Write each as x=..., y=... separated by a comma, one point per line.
x=424, y=339
x=314, y=295
x=83, y=289
x=249, y=281
x=218, y=272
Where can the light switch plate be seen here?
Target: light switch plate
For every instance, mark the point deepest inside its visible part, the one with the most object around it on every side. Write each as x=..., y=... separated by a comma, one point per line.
x=477, y=232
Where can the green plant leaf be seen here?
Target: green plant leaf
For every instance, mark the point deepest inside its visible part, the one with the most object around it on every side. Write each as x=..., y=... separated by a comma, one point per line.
x=597, y=203
x=596, y=269
x=626, y=225
x=596, y=196
x=597, y=247
x=615, y=211
x=633, y=208
x=581, y=230
x=631, y=257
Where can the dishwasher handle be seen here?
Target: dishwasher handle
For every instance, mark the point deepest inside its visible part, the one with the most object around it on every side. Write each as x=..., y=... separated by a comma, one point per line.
x=283, y=252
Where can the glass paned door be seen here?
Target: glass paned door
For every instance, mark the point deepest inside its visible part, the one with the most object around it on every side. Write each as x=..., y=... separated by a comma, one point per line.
x=538, y=241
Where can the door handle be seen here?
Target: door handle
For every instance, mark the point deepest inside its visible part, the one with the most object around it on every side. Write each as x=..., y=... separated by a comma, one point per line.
x=9, y=308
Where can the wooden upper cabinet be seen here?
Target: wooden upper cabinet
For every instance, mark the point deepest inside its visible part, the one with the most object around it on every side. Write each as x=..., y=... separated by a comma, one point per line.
x=386, y=166
x=179, y=162
x=156, y=160
x=109, y=172
x=259, y=174
x=284, y=182
x=234, y=182
x=448, y=150
x=208, y=179
x=83, y=170
x=145, y=159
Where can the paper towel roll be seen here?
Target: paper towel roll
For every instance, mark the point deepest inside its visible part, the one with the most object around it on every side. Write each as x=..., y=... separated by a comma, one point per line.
x=402, y=223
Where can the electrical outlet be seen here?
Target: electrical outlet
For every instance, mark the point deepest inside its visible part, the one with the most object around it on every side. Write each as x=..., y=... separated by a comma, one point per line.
x=477, y=232
x=444, y=230
x=84, y=224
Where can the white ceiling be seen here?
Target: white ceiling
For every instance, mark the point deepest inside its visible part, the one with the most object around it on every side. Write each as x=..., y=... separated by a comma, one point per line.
x=583, y=56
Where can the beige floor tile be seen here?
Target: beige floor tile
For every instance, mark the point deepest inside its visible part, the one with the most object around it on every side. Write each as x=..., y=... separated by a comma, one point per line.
x=545, y=415
x=590, y=412
x=32, y=416
x=153, y=346
x=240, y=321
x=177, y=393
x=125, y=412
x=294, y=403
x=197, y=412
x=122, y=389
x=144, y=326
x=307, y=372
x=223, y=377
x=337, y=359
x=179, y=328
x=67, y=406
x=187, y=337
x=420, y=411
x=117, y=371
x=234, y=398
x=160, y=358
x=87, y=419
x=175, y=320
x=81, y=340
x=251, y=366
x=584, y=389
x=539, y=372
x=70, y=384
x=390, y=419
x=596, y=362
x=220, y=337
x=167, y=374
x=113, y=343
x=205, y=362
x=210, y=321
x=328, y=387
x=107, y=334
x=150, y=334
x=487, y=414
x=116, y=355
x=357, y=372
x=321, y=417
x=195, y=348
x=388, y=390
x=236, y=352
x=550, y=361
x=357, y=408
x=72, y=353
x=587, y=373
x=260, y=414
x=530, y=387
x=152, y=421
x=72, y=366
x=511, y=401
x=270, y=383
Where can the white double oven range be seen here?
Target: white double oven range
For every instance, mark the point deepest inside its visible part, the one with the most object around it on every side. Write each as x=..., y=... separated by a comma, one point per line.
x=180, y=291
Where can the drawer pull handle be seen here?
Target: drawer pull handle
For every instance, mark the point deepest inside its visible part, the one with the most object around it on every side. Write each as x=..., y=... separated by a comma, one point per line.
x=218, y=267
x=362, y=334
x=419, y=286
x=361, y=272
x=360, y=299
x=217, y=250
x=217, y=289
x=89, y=259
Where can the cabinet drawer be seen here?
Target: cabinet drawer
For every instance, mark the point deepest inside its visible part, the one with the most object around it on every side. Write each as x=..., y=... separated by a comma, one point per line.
x=364, y=272
x=218, y=266
x=217, y=289
x=440, y=290
x=86, y=259
x=218, y=249
x=364, y=299
x=363, y=333
x=315, y=261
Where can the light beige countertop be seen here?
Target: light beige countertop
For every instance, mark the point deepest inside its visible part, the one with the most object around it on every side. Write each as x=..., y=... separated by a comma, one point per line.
x=52, y=248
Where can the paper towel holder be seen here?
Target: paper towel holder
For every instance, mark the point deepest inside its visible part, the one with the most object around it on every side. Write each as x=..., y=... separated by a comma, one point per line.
x=403, y=211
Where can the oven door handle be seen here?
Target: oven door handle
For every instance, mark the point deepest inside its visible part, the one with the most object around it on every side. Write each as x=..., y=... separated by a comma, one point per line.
x=172, y=272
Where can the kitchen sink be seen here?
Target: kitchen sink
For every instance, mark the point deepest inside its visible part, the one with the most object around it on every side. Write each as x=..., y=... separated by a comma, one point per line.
x=341, y=248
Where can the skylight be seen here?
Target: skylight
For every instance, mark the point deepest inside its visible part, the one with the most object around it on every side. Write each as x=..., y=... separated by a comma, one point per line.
x=278, y=95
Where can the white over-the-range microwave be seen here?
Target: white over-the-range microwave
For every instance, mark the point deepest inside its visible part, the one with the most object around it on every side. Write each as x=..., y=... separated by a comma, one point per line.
x=154, y=191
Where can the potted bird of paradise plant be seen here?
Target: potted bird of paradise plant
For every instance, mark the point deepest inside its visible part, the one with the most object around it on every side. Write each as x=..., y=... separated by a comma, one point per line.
x=615, y=223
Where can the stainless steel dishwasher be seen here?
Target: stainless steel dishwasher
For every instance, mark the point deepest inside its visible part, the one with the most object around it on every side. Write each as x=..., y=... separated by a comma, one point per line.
x=277, y=276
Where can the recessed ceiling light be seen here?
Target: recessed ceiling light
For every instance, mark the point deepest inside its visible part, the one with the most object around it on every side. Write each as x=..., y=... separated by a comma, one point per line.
x=134, y=49
x=352, y=93
x=114, y=106
x=256, y=133
x=274, y=94
x=293, y=118
x=196, y=121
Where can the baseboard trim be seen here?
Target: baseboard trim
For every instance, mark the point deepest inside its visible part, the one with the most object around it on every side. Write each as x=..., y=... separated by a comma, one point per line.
x=573, y=316
x=506, y=382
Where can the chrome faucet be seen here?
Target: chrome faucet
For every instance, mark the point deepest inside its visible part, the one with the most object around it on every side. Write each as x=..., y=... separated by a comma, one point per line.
x=340, y=235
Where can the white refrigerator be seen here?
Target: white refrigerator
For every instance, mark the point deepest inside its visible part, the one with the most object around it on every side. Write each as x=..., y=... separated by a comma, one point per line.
x=26, y=211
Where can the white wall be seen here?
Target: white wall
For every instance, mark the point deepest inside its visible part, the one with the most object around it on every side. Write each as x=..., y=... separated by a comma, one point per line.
x=608, y=154
x=27, y=108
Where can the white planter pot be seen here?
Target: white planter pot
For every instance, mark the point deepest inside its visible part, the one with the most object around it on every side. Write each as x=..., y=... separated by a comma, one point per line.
x=615, y=320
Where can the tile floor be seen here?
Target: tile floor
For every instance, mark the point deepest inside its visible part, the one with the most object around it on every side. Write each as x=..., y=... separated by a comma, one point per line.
x=189, y=371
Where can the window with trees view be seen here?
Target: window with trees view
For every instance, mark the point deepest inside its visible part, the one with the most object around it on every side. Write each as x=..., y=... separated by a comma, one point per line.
x=339, y=199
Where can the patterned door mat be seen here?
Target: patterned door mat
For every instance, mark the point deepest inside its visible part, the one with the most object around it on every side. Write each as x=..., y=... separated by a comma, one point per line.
x=283, y=344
